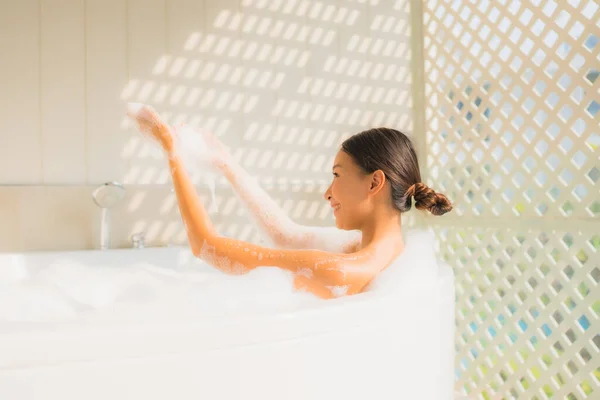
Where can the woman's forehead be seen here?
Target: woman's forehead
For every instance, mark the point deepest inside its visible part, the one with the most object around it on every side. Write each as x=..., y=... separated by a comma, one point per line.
x=343, y=160
x=341, y=157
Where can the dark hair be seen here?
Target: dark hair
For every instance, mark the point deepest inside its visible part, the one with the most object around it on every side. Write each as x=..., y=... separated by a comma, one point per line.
x=392, y=152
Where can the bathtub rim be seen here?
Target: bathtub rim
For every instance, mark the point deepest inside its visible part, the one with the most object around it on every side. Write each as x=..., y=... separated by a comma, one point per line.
x=25, y=348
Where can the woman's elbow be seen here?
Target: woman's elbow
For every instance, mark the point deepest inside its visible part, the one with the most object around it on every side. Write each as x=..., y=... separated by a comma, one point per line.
x=201, y=247
x=356, y=284
x=209, y=252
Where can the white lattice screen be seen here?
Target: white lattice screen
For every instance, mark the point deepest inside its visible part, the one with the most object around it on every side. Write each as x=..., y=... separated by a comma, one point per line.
x=512, y=100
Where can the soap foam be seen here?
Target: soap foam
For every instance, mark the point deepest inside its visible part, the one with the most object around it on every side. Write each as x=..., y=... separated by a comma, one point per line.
x=190, y=147
x=416, y=264
x=32, y=300
x=134, y=108
x=274, y=223
x=208, y=253
x=67, y=289
x=338, y=291
x=196, y=156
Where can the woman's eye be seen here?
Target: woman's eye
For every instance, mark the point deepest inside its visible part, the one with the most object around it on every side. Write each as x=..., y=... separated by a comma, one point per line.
x=336, y=174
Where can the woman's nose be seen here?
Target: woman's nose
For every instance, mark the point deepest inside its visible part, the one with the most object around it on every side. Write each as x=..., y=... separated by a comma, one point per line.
x=327, y=194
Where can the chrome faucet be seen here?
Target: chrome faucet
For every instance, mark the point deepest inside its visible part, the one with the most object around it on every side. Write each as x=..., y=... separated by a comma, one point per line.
x=137, y=240
x=107, y=196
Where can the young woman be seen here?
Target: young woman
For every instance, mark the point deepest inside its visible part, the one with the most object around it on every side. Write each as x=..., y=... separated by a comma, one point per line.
x=375, y=177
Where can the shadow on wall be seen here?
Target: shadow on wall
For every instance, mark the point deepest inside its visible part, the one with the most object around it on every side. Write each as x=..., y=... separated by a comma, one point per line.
x=281, y=82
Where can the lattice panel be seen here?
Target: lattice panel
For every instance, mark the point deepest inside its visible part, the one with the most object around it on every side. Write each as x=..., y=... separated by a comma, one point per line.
x=528, y=312
x=513, y=98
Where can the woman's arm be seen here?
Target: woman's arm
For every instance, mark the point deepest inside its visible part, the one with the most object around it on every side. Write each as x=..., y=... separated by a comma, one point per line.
x=277, y=225
x=271, y=218
x=325, y=274
x=337, y=273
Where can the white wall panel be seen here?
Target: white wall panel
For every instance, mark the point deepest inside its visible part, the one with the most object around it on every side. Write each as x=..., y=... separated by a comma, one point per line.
x=62, y=91
x=20, y=144
x=106, y=76
x=147, y=52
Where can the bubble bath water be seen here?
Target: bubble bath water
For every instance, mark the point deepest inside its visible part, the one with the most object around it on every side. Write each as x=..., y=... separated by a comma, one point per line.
x=74, y=287
x=160, y=283
x=88, y=324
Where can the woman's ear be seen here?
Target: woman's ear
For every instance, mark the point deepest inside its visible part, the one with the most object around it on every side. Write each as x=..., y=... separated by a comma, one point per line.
x=377, y=181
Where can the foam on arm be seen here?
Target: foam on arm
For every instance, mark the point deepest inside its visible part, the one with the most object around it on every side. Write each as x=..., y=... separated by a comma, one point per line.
x=277, y=225
x=200, y=158
x=332, y=270
x=329, y=274
x=329, y=270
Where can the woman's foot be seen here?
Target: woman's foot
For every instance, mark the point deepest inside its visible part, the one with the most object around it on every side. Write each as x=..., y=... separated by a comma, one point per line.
x=150, y=123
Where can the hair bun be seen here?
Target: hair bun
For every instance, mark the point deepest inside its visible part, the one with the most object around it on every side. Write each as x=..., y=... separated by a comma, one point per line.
x=427, y=199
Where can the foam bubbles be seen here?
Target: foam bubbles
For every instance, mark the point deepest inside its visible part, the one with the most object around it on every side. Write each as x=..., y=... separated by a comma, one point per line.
x=148, y=291
x=69, y=289
x=190, y=147
x=17, y=273
x=196, y=156
x=338, y=291
x=134, y=108
x=33, y=300
x=208, y=253
x=275, y=224
x=306, y=272
x=417, y=263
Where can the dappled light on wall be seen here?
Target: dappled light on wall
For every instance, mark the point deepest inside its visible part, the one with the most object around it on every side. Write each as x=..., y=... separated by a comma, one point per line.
x=282, y=83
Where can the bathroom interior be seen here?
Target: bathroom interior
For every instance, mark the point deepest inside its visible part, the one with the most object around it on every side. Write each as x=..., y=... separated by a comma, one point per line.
x=501, y=98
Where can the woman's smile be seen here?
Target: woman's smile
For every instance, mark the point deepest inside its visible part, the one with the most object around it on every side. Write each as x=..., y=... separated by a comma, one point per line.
x=336, y=208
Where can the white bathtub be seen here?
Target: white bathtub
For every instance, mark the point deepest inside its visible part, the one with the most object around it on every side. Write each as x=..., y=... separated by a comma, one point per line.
x=392, y=342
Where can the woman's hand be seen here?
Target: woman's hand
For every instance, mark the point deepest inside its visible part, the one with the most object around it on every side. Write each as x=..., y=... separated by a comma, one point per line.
x=150, y=124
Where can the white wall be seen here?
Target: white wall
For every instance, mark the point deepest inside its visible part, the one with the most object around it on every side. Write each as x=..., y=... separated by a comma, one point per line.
x=282, y=82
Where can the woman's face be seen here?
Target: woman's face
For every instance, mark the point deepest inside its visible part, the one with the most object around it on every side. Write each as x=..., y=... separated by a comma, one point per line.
x=348, y=193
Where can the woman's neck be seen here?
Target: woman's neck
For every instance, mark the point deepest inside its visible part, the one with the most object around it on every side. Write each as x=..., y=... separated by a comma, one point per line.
x=385, y=226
